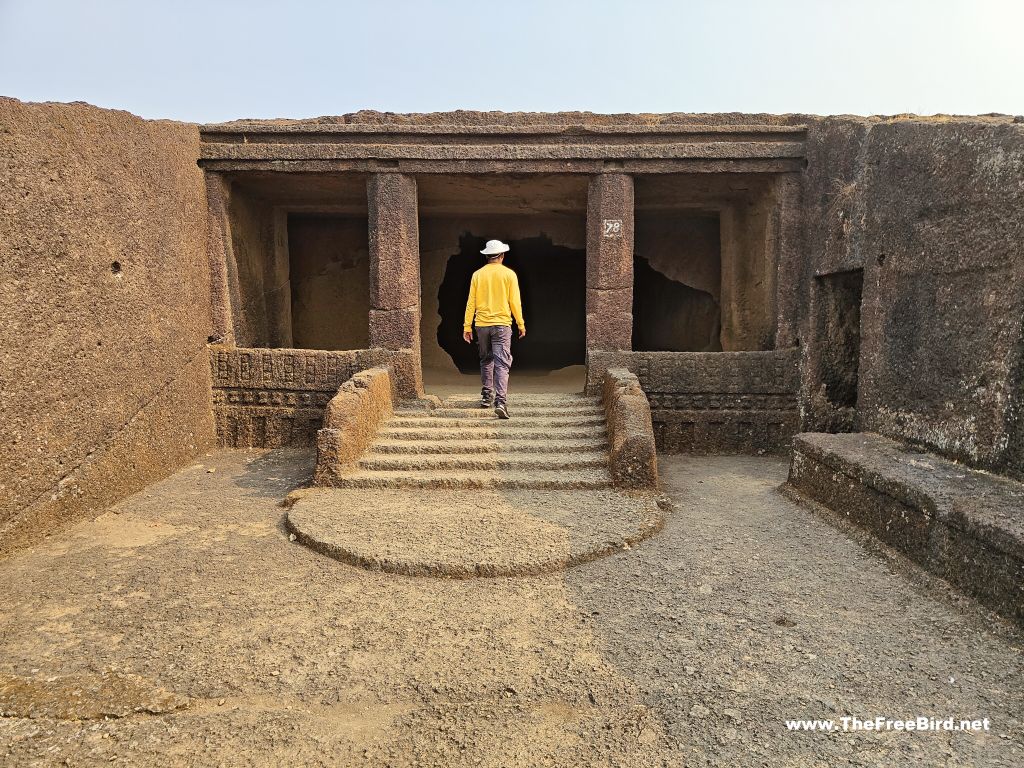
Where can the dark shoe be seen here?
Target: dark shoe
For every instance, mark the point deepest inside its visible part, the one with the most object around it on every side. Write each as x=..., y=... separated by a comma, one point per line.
x=501, y=411
x=486, y=402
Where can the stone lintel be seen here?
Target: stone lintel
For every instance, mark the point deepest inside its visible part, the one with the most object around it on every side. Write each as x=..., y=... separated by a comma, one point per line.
x=715, y=150
x=283, y=131
x=588, y=167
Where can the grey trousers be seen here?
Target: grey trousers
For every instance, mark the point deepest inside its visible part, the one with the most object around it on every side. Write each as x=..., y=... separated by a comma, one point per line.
x=495, y=345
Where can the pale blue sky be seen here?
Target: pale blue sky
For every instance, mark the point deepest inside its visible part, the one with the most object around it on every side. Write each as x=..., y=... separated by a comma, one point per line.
x=208, y=61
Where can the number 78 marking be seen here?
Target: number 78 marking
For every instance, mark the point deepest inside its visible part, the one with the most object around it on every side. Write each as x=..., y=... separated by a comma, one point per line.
x=611, y=227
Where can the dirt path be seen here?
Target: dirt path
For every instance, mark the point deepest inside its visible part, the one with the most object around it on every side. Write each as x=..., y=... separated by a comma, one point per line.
x=690, y=649
x=748, y=610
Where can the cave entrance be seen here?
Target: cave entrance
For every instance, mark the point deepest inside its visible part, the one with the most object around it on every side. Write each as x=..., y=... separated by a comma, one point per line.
x=677, y=276
x=543, y=218
x=706, y=262
x=552, y=280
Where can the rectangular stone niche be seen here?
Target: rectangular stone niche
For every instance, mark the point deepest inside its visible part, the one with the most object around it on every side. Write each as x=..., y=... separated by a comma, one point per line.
x=330, y=281
x=838, y=319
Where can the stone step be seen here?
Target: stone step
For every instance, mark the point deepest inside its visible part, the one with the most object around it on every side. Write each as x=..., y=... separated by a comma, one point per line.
x=515, y=423
x=517, y=412
x=526, y=401
x=497, y=430
x=510, y=445
x=484, y=462
x=532, y=479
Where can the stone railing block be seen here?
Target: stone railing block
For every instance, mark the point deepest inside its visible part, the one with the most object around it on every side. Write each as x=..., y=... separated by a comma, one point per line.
x=352, y=420
x=632, y=457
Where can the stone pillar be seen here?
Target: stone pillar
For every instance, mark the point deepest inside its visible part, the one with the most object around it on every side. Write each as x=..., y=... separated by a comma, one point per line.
x=279, y=287
x=610, y=262
x=790, y=288
x=395, y=275
x=220, y=253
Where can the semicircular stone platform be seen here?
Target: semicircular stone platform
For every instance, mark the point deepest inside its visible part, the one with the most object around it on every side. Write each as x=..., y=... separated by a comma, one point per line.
x=468, y=533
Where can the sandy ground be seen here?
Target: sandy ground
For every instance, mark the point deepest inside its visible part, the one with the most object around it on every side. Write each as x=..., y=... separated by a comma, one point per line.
x=469, y=533
x=189, y=603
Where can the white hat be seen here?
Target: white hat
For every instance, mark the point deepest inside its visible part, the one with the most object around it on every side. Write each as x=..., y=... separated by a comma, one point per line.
x=494, y=247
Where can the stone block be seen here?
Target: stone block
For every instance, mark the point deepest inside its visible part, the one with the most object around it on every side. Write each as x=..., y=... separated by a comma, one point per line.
x=632, y=456
x=352, y=419
x=612, y=332
x=105, y=310
x=407, y=373
x=931, y=376
x=328, y=450
x=282, y=369
x=598, y=363
x=395, y=282
x=773, y=371
x=394, y=241
x=610, y=319
x=395, y=328
x=263, y=426
x=610, y=225
x=219, y=253
x=958, y=523
x=712, y=402
x=711, y=431
x=932, y=211
x=789, y=279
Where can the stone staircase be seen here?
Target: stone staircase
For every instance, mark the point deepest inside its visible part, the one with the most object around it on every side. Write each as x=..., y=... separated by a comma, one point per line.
x=552, y=441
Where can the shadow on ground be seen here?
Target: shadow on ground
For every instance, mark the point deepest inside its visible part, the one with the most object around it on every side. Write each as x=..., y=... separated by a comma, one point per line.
x=276, y=473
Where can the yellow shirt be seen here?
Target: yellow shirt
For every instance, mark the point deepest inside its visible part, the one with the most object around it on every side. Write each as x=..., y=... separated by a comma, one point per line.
x=494, y=298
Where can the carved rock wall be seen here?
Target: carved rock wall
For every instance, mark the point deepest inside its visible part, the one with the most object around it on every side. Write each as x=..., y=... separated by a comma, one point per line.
x=710, y=403
x=932, y=211
x=104, y=310
x=268, y=398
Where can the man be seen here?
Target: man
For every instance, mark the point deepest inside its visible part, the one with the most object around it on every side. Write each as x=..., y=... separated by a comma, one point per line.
x=494, y=301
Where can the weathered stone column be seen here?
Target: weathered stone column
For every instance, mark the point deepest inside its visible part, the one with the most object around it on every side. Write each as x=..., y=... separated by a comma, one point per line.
x=395, y=275
x=223, y=279
x=789, y=285
x=610, y=262
x=278, y=278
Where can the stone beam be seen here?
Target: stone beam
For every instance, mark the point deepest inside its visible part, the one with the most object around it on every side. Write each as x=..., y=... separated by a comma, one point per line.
x=303, y=131
x=610, y=262
x=723, y=150
x=584, y=167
